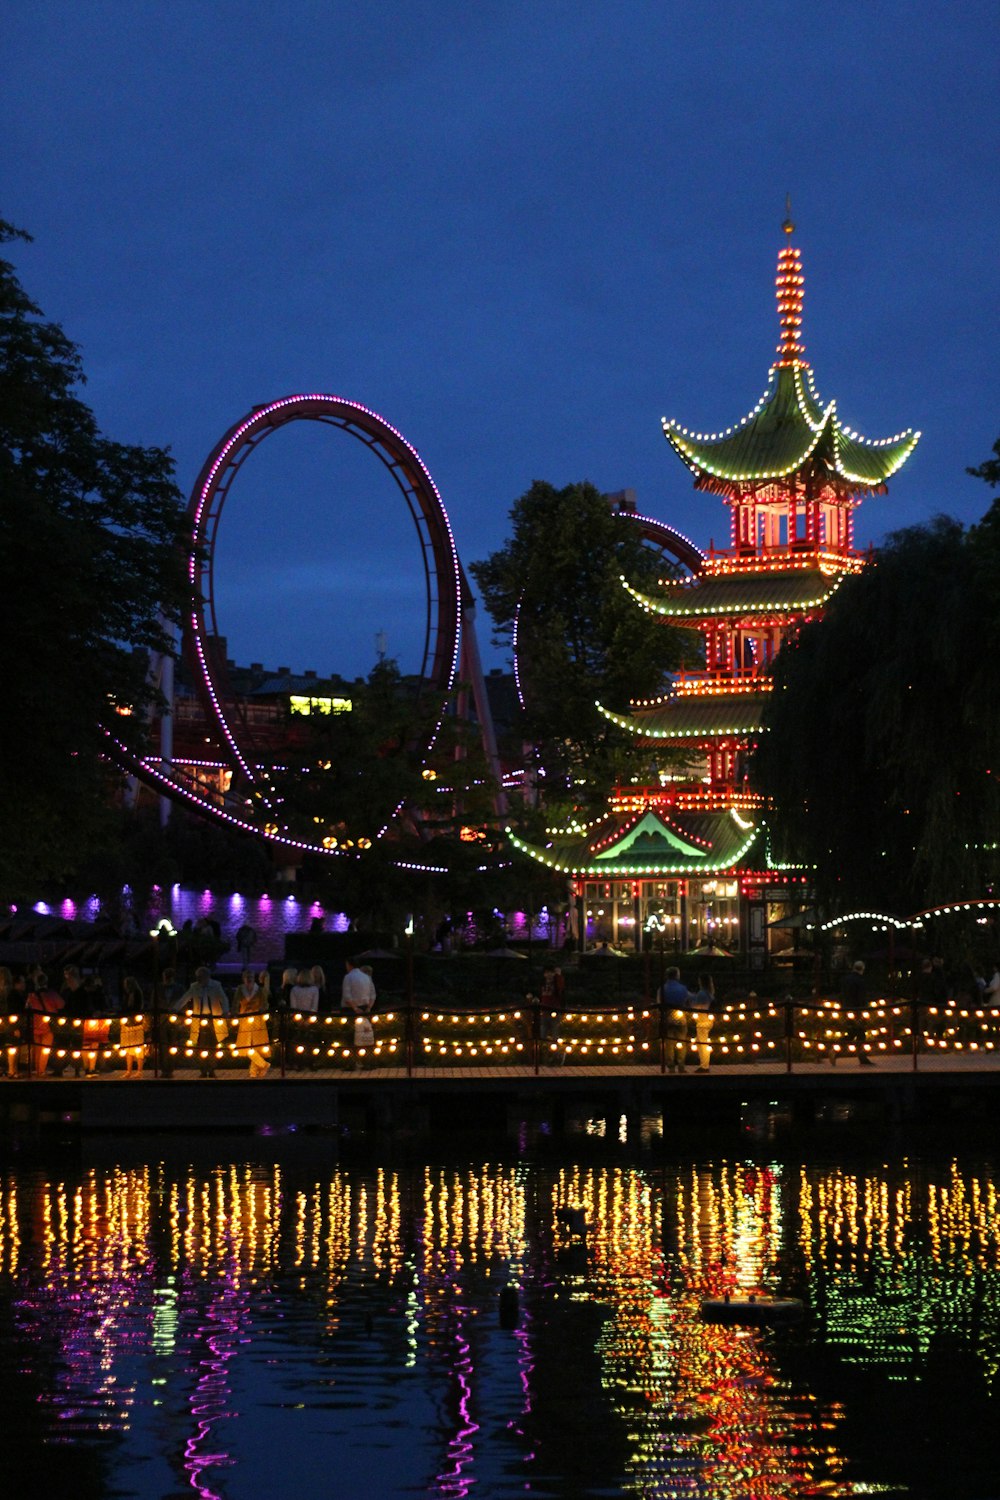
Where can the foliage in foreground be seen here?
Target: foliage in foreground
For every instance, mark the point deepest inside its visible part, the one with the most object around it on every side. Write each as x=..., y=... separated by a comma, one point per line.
x=580, y=636
x=882, y=759
x=89, y=557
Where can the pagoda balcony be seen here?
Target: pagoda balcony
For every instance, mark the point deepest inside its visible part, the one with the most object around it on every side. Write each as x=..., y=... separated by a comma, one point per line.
x=798, y=556
x=687, y=797
x=720, y=682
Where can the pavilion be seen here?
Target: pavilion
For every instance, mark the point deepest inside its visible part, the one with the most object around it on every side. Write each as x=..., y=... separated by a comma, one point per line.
x=687, y=857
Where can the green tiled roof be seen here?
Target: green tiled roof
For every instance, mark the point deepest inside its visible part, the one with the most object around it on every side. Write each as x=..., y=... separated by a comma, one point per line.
x=745, y=594
x=790, y=430
x=657, y=848
x=693, y=717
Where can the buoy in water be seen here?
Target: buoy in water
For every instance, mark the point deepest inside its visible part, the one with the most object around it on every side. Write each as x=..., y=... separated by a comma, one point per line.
x=510, y=1307
x=752, y=1310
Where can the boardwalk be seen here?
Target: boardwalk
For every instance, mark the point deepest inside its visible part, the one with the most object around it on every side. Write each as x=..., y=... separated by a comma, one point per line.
x=951, y=1066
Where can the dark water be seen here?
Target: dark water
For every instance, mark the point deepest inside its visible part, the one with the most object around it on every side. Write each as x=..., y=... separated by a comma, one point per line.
x=261, y=1321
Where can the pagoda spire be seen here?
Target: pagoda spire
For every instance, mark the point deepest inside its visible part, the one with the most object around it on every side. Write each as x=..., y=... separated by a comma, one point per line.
x=792, y=438
x=788, y=286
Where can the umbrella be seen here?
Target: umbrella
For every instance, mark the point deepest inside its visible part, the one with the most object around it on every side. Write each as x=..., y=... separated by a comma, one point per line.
x=708, y=950
x=799, y=919
x=505, y=953
x=371, y=953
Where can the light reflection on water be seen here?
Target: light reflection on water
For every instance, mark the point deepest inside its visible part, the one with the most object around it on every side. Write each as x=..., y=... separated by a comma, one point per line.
x=241, y=1329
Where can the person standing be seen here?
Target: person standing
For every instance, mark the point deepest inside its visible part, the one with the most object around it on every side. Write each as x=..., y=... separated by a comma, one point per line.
x=10, y=999
x=132, y=1028
x=702, y=1004
x=318, y=977
x=246, y=942
x=12, y=996
x=75, y=1009
x=75, y=999
x=252, y=1003
x=42, y=1003
x=854, y=999
x=357, y=996
x=206, y=1004
x=550, y=1001
x=305, y=994
x=166, y=1004
x=304, y=1000
x=675, y=998
x=931, y=994
x=442, y=936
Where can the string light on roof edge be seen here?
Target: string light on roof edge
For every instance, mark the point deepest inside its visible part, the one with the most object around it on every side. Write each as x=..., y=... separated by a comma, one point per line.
x=791, y=533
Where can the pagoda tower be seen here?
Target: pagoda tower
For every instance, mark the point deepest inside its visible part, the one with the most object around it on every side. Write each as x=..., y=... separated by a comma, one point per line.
x=689, y=849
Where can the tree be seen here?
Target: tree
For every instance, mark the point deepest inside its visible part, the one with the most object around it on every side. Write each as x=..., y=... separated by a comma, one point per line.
x=881, y=759
x=350, y=772
x=989, y=469
x=580, y=636
x=90, y=564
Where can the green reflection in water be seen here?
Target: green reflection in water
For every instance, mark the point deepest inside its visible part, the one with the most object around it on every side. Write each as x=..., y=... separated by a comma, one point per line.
x=174, y=1318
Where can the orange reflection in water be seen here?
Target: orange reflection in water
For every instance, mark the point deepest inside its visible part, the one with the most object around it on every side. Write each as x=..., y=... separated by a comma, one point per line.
x=128, y=1269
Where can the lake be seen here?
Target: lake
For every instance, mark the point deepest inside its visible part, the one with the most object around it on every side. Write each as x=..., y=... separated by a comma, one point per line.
x=258, y=1317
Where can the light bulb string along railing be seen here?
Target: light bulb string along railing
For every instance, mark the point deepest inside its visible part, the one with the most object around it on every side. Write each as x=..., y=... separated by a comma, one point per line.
x=413, y=1036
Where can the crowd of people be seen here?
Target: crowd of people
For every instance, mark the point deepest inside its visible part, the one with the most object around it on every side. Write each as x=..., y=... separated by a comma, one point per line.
x=246, y=1021
x=689, y=1015
x=206, y=1007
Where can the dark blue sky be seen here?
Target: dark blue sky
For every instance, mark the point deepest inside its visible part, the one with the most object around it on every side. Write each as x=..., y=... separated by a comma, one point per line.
x=520, y=232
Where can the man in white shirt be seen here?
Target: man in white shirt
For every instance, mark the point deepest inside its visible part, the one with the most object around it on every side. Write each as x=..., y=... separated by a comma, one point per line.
x=206, y=1003
x=357, y=993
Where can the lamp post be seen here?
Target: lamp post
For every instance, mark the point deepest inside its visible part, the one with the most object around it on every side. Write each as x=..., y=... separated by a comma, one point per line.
x=408, y=1026
x=164, y=930
x=657, y=922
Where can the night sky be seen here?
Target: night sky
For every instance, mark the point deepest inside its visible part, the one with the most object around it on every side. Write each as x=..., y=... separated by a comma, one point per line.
x=522, y=233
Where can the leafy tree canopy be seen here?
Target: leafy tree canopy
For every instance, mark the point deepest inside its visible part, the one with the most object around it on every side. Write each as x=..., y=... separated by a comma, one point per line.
x=350, y=772
x=580, y=636
x=89, y=557
x=882, y=760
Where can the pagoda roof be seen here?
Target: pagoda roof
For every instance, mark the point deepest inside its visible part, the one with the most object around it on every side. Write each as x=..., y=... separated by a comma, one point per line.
x=791, y=591
x=791, y=430
x=623, y=845
x=696, y=717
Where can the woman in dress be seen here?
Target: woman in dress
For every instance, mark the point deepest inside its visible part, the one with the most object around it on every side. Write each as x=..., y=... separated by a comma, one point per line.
x=253, y=1001
x=132, y=1030
x=7, y=999
x=42, y=1003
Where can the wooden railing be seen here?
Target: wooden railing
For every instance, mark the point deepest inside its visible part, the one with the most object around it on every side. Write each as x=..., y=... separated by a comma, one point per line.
x=414, y=1036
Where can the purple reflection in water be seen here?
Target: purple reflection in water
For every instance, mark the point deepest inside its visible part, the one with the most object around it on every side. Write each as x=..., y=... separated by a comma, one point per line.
x=210, y=1399
x=454, y=1480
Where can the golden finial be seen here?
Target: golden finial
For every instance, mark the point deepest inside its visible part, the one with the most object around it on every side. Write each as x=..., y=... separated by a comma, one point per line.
x=788, y=226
